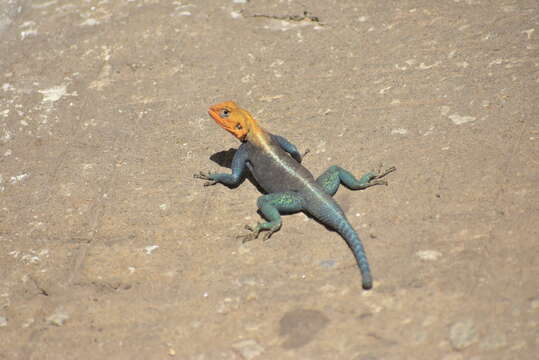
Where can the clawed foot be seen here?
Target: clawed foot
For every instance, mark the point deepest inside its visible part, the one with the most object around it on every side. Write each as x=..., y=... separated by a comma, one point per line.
x=378, y=174
x=255, y=231
x=305, y=153
x=205, y=176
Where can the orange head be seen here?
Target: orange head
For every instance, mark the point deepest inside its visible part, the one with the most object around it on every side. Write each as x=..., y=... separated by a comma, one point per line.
x=233, y=119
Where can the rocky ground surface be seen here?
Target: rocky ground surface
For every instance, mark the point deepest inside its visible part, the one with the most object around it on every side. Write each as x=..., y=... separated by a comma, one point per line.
x=109, y=249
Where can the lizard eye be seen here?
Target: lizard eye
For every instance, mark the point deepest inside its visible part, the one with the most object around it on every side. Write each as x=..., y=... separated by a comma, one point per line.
x=238, y=126
x=224, y=113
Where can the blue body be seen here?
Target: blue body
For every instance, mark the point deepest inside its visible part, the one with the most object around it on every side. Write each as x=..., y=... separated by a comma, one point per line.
x=290, y=188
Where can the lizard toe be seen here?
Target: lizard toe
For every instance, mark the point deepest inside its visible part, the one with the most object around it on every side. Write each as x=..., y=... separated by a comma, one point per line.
x=245, y=238
x=380, y=174
x=377, y=182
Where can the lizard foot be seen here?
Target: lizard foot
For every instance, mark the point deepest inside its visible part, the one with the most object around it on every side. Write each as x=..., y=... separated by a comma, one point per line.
x=378, y=174
x=255, y=231
x=205, y=176
x=253, y=235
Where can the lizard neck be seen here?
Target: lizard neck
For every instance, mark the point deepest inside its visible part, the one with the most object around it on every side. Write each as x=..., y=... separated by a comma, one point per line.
x=257, y=136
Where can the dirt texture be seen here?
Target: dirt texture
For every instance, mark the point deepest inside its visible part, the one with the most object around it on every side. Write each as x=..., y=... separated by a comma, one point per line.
x=109, y=249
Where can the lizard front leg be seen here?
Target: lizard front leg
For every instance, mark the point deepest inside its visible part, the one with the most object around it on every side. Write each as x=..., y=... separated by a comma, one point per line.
x=289, y=147
x=233, y=179
x=335, y=175
x=271, y=206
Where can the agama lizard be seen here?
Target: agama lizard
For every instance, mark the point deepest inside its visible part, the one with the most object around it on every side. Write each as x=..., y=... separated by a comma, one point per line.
x=276, y=165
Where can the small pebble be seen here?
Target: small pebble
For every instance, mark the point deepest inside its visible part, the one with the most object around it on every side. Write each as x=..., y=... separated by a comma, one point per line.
x=3, y=321
x=150, y=248
x=58, y=318
x=251, y=296
x=328, y=264
x=249, y=349
x=462, y=334
x=458, y=119
x=429, y=254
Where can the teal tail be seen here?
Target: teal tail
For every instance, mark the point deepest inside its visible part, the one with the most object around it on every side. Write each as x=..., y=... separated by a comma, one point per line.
x=350, y=235
x=329, y=213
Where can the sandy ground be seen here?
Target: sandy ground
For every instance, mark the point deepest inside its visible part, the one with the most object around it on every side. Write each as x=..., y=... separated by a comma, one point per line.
x=109, y=249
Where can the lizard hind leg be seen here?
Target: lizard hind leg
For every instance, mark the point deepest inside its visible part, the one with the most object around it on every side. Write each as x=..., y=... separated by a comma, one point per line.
x=335, y=175
x=272, y=206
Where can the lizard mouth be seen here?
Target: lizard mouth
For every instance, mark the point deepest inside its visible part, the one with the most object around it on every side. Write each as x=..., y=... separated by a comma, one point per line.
x=215, y=116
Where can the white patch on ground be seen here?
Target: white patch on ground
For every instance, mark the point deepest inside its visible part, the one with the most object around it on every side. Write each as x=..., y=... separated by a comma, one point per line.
x=429, y=131
x=495, y=62
x=67, y=189
x=53, y=94
x=423, y=66
x=103, y=79
x=429, y=254
x=43, y=5
x=29, y=29
x=283, y=25
x=28, y=322
x=445, y=110
x=456, y=118
x=321, y=147
x=529, y=33
x=468, y=2
x=18, y=178
x=27, y=24
x=459, y=119
x=402, y=68
x=180, y=8
x=90, y=22
x=411, y=62
x=247, y=78
x=150, y=249
x=58, y=318
x=7, y=87
x=31, y=257
x=249, y=349
x=28, y=33
x=270, y=98
x=399, y=131
x=235, y=15
x=6, y=136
